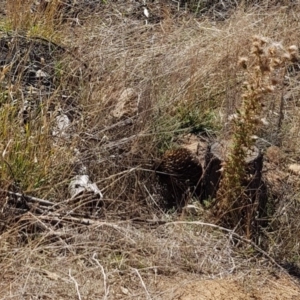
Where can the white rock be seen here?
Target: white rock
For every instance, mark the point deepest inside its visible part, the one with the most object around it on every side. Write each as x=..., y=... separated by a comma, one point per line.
x=41, y=74
x=62, y=124
x=81, y=184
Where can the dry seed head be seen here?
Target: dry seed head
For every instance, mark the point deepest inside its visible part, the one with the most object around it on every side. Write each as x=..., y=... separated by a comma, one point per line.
x=276, y=62
x=293, y=49
x=275, y=48
x=270, y=88
x=272, y=51
x=286, y=56
x=243, y=62
x=256, y=49
x=256, y=68
x=261, y=40
x=256, y=44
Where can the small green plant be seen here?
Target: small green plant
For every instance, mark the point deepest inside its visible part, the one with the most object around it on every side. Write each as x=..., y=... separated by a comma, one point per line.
x=195, y=120
x=29, y=157
x=185, y=118
x=265, y=69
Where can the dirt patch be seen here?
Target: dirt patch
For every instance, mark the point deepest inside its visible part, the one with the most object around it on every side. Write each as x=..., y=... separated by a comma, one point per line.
x=235, y=289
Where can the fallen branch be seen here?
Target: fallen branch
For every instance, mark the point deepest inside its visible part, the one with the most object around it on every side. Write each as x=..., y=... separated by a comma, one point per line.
x=30, y=198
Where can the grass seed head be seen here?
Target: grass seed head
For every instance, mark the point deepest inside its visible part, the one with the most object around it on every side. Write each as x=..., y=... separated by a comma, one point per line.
x=243, y=61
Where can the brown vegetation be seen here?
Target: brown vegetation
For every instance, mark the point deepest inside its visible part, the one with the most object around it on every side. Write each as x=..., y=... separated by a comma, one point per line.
x=106, y=94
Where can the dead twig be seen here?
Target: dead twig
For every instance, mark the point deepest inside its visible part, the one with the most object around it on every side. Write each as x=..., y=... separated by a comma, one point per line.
x=76, y=284
x=30, y=198
x=143, y=283
x=106, y=288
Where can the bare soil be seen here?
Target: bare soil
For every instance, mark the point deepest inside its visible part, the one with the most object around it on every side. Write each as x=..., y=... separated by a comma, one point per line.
x=237, y=289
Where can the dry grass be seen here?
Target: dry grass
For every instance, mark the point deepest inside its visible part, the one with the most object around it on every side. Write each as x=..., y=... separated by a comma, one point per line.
x=175, y=76
x=108, y=256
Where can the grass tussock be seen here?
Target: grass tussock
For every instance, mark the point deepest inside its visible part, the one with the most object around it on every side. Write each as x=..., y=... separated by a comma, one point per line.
x=33, y=18
x=133, y=89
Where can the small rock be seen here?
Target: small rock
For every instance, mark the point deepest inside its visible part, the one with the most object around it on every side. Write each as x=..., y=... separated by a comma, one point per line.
x=80, y=184
x=127, y=104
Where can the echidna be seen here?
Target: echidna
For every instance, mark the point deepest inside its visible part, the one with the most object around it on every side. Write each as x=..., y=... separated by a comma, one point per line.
x=180, y=173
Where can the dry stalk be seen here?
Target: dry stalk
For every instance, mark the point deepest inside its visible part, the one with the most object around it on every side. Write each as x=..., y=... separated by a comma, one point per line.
x=106, y=287
x=267, y=62
x=76, y=284
x=143, y=283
